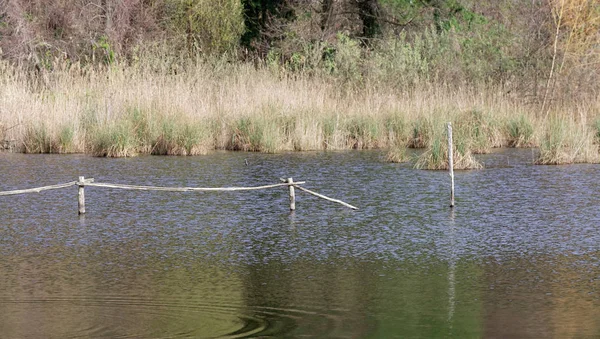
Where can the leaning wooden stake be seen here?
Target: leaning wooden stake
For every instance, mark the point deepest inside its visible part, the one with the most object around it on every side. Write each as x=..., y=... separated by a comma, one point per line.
x=451, y=163
x=292, y=195
x=326, y=198
x=81, y=199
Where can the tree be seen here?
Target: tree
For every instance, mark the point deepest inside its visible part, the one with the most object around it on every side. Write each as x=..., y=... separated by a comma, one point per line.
x=209, y=26
x=368, y=12
x=258, y=16
x=576, y=40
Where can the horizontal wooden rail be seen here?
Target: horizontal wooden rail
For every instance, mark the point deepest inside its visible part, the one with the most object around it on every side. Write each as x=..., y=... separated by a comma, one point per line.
x=188, y=189
x=39, y=189
x=82, y=182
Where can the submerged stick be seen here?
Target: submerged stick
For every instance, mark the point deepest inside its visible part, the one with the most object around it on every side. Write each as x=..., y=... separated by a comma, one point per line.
x=451, y=163
x=326, y=198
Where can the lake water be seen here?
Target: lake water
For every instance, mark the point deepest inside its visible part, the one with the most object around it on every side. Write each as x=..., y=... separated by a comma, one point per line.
x=517, y=257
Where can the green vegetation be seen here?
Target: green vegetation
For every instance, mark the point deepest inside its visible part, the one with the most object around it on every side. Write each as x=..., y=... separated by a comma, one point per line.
x=36, y=139
x=480, y=130
x=182, y=77
x=397, y=154
x=115, y=140
x=520, y=132
x=435, y=156
x=567, y=141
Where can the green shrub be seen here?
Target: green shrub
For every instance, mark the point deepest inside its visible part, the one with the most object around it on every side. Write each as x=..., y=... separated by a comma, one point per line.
x=435, y=156
x=65, y=139
x=566, y=141
x=478, y=130
x=37, y=139
x=116, y=139
x=422, y=130
x=397, y=154
x=520, y=132
x=362, y=132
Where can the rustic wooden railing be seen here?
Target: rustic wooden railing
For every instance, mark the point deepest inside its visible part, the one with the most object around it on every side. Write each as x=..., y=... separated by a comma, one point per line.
x=83, y=182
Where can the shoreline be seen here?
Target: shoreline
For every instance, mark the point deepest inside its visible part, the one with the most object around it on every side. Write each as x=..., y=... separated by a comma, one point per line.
x=121, y=112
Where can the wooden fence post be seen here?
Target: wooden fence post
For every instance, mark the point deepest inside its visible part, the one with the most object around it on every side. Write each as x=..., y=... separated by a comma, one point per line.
x=81, y=199
x=292, y=195
x=451, y=163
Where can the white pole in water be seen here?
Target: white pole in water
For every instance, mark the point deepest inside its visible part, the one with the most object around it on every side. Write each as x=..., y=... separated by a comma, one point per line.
x=81, y=199
x=292, y=195
x=451, y=163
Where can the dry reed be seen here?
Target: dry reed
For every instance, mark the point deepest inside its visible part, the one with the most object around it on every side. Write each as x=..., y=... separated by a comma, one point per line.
x=568, y=139
x=124, y=111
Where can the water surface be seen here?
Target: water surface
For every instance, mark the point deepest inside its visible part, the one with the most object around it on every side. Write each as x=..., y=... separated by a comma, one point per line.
x=517, y=257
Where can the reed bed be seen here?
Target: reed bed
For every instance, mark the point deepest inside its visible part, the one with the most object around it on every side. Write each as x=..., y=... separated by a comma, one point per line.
x=568, y=140
x=123, y=111
x=435, y=156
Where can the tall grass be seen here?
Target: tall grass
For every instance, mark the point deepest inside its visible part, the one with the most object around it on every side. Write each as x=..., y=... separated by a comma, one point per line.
x=481, y=130
x=567, y=140
x=435, y=156
x=519, y=132
x=128, y=110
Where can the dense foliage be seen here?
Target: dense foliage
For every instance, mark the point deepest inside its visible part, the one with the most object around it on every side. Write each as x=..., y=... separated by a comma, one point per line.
x=535, y=48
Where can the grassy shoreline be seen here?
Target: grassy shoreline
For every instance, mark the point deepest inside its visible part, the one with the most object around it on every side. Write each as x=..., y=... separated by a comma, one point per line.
x=125, y=111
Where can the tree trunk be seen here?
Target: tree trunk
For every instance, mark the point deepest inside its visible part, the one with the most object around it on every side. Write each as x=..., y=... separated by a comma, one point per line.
x=368, y=12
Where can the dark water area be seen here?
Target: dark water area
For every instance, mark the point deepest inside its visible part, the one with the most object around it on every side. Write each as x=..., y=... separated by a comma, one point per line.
x=518, y=257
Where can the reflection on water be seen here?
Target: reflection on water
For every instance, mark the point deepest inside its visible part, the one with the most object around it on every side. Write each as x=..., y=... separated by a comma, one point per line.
x=517, y=257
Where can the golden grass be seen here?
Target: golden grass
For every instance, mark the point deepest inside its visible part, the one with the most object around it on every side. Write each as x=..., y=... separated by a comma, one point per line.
x=397, y=154
x=124, y=111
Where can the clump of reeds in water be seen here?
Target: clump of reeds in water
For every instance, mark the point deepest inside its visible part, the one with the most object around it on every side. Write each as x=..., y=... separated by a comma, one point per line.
x=39, y=139
x=180, y=139
x=397, y=154
x=115, y=140
x=260, y=134
x=479, y=130
x=435, y=156
x=148, y=132
x=396, y=129
x=596, y=129
x=567, y=141
x=519, y=132
x=421, y=132
x=363, y=132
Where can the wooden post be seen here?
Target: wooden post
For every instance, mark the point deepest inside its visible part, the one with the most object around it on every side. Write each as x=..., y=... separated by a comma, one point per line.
x=81, y=200
x=451, y=163
x=292, y=195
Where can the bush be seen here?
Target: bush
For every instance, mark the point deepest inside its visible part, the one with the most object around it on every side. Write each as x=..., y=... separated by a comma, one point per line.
x=116, y=139
x=435, y=156
x=520, y=132
x=566, y=141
